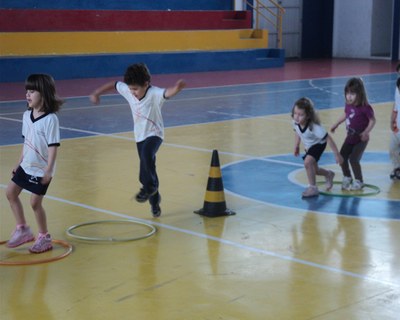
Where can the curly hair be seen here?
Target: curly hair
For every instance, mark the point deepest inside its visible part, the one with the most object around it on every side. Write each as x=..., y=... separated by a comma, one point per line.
x=307, y=105
x=137, y=74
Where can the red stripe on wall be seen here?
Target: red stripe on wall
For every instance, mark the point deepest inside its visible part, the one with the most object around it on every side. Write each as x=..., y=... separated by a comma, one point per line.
x=26, y=20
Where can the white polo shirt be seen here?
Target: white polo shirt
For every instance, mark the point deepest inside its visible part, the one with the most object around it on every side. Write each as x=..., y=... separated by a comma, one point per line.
x=309, y=137
x=146, y=112
x=39, y=134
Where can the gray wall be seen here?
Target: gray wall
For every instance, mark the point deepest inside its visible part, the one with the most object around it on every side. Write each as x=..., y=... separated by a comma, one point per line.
x=362, y=28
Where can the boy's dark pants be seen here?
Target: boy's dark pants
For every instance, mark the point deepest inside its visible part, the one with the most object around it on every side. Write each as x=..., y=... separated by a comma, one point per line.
x=147, y=150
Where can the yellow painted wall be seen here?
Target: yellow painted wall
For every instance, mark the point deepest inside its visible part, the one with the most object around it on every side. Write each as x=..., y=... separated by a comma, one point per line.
x=65, y=43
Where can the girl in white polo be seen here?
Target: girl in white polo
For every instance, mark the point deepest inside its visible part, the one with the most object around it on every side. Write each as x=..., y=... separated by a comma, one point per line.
x=36, y=166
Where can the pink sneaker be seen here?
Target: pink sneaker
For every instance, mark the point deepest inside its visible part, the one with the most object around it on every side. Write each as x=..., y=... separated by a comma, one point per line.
x=20, y=236
x=329, y=180
x=42, y=244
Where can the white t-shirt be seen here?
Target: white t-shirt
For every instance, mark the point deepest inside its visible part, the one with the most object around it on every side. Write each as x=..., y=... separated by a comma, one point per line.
x=309, y=137
x=39, y=134
x=397, y=106
x=146, y=112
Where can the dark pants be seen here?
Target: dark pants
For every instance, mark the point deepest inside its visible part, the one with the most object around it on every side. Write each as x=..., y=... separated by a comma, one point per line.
x=147, y=150
x=352, y=154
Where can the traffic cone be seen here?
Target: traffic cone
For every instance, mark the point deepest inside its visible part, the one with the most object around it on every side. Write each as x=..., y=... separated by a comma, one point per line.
x=214, y=201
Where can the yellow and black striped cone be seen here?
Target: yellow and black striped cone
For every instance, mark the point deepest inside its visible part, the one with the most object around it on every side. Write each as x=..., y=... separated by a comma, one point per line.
x=214, y=202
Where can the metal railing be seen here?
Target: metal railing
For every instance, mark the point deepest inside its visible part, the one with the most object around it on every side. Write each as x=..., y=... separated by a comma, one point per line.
x=258, y=8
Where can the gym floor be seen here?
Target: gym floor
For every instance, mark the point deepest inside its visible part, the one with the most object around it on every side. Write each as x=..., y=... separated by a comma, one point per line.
x=279, y=257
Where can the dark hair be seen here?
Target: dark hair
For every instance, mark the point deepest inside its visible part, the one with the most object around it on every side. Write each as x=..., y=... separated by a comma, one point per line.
x=398, y=67
x=138, y=74
x=45, y=85
x=307, y=105
x=398, y=83
x=356, y=85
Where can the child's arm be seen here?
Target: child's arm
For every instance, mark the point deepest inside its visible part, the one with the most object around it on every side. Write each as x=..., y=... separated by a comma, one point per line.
x=296, y=145
x=335, y=150
x=21, y=157
x=365, y=134
x=95, y=96
x=338, y=122
x=50, y=165
x=172, y=91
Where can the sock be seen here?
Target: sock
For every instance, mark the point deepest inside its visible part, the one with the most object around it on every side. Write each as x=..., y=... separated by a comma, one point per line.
x=41, y=234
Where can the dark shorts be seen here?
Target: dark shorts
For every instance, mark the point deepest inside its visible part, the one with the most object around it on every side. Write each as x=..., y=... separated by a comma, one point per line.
x=30, y=183
x=315, y=151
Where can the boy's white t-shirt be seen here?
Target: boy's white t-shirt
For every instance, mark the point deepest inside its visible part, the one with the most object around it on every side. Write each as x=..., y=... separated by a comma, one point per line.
x=39, y=134
x=309, y=137
x=146, y=112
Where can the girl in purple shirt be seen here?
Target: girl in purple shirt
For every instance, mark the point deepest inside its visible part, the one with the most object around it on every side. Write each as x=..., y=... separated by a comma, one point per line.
x=360, y=120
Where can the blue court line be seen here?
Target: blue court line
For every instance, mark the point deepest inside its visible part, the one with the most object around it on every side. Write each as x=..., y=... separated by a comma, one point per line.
x=201, y=105
x=266, y=180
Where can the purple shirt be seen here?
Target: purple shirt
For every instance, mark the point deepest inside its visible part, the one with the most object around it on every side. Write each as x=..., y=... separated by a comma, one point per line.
x=357, y=119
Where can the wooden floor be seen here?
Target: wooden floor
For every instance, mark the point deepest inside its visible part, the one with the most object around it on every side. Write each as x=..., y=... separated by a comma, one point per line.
x=280, y=257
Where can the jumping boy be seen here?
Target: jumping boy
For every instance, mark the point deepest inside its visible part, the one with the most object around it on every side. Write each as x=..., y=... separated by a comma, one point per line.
x=145, y=101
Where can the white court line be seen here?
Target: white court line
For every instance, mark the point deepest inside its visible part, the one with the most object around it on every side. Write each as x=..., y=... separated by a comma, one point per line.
x=111, y=135
x=252, y=84
x=311, y=83
x=224, y=241
x=180, y=146
x=93, y=133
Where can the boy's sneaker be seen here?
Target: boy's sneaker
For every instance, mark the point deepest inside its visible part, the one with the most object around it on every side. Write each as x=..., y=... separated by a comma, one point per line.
x=155, y=201
x=357, y=185
x=329, y=180
x=142, y=196
x=311, y=191
x=42, y=244
x=156, y=210
x=395, y=174
x=346, y=183
x=20, y=236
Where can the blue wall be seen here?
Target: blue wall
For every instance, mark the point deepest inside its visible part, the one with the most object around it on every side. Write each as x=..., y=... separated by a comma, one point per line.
x=120, y=4
x=72, y=67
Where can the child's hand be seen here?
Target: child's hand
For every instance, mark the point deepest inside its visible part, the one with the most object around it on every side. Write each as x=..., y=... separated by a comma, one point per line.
x=296, y=151
x=339, y=158
x=364, y=136
x=180, y=84
x=95, y=99
x=14, y=170
x=46, y=178
x=392, y=126
x=333, y=128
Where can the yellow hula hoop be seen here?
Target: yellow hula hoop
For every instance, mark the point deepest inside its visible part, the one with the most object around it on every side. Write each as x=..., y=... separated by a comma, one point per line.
x=152, y=230
x=62, y=243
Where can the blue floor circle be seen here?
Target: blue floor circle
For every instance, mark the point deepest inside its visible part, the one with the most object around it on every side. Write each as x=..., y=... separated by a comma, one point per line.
x=266, y=180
